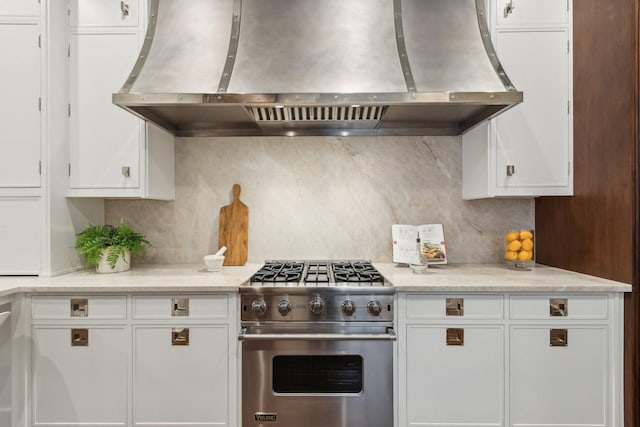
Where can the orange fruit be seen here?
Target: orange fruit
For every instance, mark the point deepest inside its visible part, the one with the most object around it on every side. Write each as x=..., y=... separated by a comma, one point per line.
x=526, y=234
x=527, y=245
x=524, y=255
x=510, y=255
x=514, y=245
x=512, y=235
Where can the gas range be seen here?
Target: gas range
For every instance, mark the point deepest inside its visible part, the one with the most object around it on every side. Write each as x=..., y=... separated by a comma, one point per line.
x=317, y=334
x=318, y=290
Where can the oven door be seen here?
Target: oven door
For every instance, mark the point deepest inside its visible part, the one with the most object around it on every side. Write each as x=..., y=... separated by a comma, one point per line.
x=317, y=380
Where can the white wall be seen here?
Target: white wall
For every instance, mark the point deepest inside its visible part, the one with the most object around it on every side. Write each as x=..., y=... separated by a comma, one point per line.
x=321, y=197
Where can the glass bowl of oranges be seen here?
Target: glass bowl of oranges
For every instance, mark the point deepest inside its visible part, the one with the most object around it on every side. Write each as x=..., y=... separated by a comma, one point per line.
x=519, y=249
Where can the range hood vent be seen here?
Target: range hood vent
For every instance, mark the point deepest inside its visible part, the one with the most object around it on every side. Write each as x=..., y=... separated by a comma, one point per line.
x=317, y=67
x=317, y=114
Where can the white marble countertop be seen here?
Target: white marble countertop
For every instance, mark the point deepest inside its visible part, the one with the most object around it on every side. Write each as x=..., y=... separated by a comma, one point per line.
x=495, y=278
x=193, y=278
x=146, y=278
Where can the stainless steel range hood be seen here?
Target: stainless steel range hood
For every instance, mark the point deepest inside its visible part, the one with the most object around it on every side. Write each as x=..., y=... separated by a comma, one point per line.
x=317, y=67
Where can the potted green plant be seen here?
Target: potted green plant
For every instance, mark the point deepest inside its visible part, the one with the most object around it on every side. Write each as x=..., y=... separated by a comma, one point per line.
x=109, y=248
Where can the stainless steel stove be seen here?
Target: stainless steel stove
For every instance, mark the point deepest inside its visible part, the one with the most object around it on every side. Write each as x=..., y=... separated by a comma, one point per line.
x=317, y=338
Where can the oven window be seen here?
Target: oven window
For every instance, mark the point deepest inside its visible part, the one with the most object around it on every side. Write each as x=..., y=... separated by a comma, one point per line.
x=317, y=374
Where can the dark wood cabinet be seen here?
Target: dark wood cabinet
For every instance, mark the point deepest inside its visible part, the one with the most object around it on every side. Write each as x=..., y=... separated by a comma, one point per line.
x=597, y=231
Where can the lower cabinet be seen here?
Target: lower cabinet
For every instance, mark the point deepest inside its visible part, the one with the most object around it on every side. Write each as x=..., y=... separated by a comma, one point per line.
x=537, y=360
x=455, y=375
x=133, y=361
x=180, y=375
x=80, y=375
x=563, y=369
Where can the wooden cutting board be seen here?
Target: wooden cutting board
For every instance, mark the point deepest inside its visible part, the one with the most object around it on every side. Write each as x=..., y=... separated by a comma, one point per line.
x=234, y=230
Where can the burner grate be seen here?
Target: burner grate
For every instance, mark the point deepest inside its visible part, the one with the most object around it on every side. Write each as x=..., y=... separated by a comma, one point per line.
x=356, y=272
x=317, y=272
x=279, y=272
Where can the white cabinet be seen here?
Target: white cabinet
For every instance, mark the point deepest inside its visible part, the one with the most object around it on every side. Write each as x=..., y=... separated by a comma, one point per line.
x=21, y=209
x=104, y=13
x=36, y=222
x=5, y=363
x=553, y=384
x=451, y=364
x=181, y=375
x=563, y=359
x=531, y=12
x=80, y=361
x=188, y=339
x=80, y=375
x=527, y=151
x=19, y=106
x=20, y=8
x=137, y=360
x=455, y=375
x=21, y=228
x=112, y=152
x=510, y=359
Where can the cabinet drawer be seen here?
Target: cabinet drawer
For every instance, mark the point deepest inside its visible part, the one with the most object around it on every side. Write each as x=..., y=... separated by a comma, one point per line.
x=181, y=307
x=79, y=307
x=454, y=306
x=104, y=13
x=558, y=307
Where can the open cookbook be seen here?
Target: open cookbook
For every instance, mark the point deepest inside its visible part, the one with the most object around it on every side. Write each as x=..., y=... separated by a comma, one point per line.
x=428, y=237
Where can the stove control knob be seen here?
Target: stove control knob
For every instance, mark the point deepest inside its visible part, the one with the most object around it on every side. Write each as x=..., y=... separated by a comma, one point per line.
x=284, y=307
x=316, y=305
x=348, y=308
x=374, y=307
x=259, y=307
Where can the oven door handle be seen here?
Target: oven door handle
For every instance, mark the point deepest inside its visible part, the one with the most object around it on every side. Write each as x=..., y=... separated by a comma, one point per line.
x=389, y=336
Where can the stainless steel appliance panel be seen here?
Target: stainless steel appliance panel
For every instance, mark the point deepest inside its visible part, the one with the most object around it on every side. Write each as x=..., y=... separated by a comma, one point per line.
x=188, y=33
x=445, y=47
x=372, y=406
x=291, y=46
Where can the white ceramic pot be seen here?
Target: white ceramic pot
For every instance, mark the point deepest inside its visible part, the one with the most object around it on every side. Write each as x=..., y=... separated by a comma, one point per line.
x=122, y=264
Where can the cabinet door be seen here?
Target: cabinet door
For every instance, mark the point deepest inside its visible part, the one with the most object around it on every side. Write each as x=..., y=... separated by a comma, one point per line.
x=19, y=105
x=19, y=8
x=104, y=13
x=558, y=385
x=80, y=385
x=454, y=384
x=5, y=365
x=534, y=137
x=531, y=12
x=104, y=138
x=21, y=228
x=181, y=383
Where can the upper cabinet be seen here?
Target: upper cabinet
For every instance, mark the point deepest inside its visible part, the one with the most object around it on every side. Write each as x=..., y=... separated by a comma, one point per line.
x=528, y=150
x=531, y=12
x=20, y=106
x=104, y=13
x=112, y=153
x=19, y=8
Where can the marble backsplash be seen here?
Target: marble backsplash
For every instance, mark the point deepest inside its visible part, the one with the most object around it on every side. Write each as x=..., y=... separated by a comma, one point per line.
x=322, y=198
